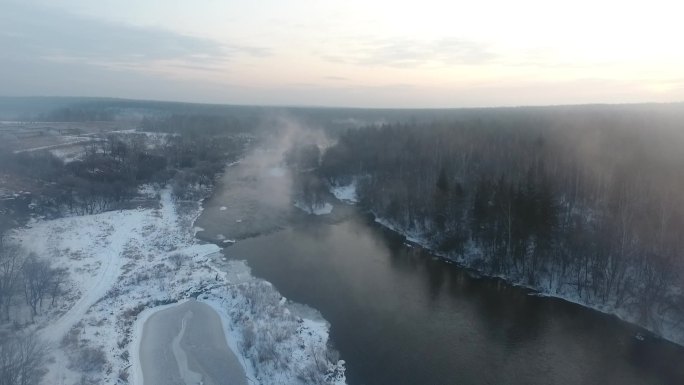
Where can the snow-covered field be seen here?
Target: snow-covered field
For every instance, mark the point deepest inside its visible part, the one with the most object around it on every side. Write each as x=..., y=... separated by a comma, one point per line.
x=63, y=141
x=123, y=264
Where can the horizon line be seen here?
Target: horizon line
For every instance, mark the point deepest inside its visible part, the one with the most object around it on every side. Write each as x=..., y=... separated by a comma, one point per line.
x=313, y=106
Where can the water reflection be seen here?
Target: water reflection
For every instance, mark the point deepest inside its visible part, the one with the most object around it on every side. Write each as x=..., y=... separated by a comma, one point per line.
x=401, y=317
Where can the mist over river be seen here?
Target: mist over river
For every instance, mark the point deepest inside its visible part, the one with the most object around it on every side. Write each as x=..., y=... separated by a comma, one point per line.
x=401, y=316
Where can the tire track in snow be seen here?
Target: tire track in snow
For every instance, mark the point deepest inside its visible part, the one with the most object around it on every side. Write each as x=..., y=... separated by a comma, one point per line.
x=107, y=276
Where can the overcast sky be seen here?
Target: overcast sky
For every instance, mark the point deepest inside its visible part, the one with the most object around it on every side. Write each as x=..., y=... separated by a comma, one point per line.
x=346, y=53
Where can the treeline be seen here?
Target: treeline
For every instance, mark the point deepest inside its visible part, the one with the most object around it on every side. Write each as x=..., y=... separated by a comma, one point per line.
x=583, y=202
x=112, y=167
x=78, y=114
x=27, y=277
x=110, y=170
x=25, y=282
x=199, y=125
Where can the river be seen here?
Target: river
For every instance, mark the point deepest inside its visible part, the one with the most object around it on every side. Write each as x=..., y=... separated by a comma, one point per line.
x=401, y=316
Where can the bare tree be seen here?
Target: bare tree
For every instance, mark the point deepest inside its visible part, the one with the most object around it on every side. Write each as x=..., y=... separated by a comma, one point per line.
x=58, y=277
x=11, y=261
x=39, y=279
x=22, y=360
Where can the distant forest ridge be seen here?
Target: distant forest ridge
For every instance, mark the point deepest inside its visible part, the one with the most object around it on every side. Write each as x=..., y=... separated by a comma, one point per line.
x=43, y=108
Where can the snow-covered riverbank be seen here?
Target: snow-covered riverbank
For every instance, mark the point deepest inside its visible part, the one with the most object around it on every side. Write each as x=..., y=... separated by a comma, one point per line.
x=121, y=263
x=663, y=327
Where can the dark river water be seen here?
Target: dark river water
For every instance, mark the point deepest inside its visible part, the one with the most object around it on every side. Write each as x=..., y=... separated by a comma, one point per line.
x=400, y=316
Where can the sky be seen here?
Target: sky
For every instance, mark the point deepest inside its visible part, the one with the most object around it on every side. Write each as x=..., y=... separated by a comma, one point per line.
x=346, y=53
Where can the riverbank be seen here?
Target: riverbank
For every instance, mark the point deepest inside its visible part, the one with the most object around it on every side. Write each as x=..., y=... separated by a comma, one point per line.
x=665, y=328
x=121, y=263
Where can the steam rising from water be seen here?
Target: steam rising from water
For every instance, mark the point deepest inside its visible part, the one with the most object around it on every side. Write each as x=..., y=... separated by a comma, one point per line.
x=258, y=193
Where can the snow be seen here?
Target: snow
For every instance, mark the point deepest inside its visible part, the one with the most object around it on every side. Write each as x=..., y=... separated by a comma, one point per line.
x=96, y=241
x=231, y=337
x=669, y=329
x=665, y=326
x=322, y=209
x=151, y=134
x=137, y=337
x=411, y=236
x=345, y=193
x=75, y=141
x=125, y=265
x=69, y=154
x=304, y=339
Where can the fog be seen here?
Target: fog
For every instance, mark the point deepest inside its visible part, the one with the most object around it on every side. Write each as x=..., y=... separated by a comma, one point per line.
x=263, y=184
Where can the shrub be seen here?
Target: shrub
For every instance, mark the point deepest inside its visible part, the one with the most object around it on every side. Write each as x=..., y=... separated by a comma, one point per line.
x=248, y=338
x=177, y=260
x=90, y=360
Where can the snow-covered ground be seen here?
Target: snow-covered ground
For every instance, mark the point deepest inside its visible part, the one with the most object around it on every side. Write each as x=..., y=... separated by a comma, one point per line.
x=123, y=263
x=345, y=193
x=411, y=236
x=65, y=141
x=322, y=209
x=68, y=154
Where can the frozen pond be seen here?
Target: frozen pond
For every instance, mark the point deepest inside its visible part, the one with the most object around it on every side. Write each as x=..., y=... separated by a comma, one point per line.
x=185, y=344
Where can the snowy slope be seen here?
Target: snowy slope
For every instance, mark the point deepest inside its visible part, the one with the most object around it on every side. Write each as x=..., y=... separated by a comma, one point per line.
x=123, y=262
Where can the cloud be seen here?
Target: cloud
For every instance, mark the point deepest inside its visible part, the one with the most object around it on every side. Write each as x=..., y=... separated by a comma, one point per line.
x=42, y=33
x=336, y=78
x=399, y=52
x=411, y=53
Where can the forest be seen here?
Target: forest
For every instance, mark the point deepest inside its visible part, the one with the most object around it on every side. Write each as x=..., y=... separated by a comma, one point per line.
x=583, y=202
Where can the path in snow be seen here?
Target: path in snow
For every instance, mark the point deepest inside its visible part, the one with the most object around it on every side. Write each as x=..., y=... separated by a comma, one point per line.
x=128, y=227
x=105, y=278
